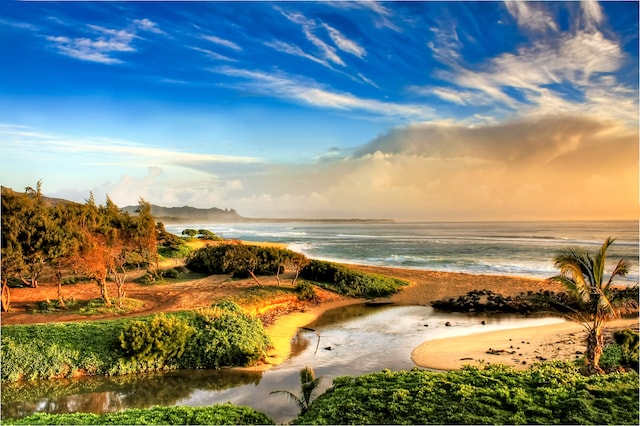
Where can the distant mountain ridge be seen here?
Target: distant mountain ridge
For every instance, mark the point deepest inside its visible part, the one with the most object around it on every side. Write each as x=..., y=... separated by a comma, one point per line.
x=191, y=214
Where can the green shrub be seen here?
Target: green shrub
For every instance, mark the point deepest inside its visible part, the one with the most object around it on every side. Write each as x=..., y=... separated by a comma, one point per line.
x=237, y=259
x=222, y=336
x=628, y=342
x=549, y=393
x=163, y=337
x=348, y=282
x=305, y=290
x=221, y=414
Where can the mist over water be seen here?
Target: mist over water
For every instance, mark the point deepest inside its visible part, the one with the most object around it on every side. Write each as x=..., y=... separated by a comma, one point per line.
x=522, y=249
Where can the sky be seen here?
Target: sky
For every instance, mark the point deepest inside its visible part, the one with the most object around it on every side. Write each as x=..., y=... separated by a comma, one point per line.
x=425, y=111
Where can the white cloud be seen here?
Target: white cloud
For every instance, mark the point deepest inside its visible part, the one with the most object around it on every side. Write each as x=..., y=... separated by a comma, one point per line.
x=223, y=42
x=214, y=55
x=531, y=16
x=148, y=25
x=310, y=93
x=105, y=43
x=344, y=44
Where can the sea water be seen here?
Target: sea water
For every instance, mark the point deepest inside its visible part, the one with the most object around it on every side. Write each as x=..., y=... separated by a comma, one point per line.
x=523, y=249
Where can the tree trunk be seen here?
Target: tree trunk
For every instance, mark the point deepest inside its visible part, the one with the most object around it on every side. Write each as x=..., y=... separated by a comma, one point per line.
x=59, y=280
x=295, y=278
x=278, y=275
x=6, y=297
x=254, y=277
x=103, y=292
x=595, y=343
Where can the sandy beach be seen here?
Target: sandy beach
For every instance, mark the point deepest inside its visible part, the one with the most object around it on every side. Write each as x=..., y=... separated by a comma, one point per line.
x=519, y=348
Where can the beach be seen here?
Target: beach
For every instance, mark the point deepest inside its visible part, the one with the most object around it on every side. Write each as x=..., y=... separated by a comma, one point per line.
x=518, y=348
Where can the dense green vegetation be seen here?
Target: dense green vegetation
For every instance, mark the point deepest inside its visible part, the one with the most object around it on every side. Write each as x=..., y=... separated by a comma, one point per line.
x=221, y=414
x=242, y=260
x=208, y=338
x=549, y=393
x=348, y=282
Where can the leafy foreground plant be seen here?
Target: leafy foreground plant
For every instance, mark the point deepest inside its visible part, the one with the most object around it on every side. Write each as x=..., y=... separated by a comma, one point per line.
x=207, y=338
x=308, y=383
x=221, y=414
x=549, y=393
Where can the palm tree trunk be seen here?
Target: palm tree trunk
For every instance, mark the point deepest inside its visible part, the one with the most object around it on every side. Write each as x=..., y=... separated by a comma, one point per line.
x=595, y=343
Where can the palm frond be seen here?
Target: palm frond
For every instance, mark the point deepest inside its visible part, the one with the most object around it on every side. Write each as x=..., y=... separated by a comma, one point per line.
x=293, y=397
x=621, y=270
x=598, y=264
x=574, y=285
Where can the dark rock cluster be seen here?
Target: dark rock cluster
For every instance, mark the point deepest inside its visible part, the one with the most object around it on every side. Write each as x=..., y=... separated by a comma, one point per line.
x=524, y=303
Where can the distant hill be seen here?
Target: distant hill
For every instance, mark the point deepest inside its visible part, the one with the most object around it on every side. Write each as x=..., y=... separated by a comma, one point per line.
x=49, y=201
x=188, y=214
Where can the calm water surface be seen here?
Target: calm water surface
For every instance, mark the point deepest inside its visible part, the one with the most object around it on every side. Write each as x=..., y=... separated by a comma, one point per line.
x=362, y=339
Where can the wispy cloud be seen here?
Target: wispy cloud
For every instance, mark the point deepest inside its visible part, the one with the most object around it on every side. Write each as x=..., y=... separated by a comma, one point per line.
x=223, y=42
x=103, y=44
x=531, y=16
x=310, y=93
x=31, y=140
x=214, y=55
x=294, y=50
x=562, y=74
x=309, y=26
x=345, y=44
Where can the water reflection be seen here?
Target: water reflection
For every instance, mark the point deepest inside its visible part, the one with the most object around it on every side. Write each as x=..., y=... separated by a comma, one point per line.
x=353, y=340
x=108, y=394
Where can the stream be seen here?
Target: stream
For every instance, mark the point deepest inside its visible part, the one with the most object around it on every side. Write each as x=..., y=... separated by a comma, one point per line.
x=351, y=340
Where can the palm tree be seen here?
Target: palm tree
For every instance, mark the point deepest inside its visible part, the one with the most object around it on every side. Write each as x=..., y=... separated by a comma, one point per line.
x=309, y=383
x=583, y=277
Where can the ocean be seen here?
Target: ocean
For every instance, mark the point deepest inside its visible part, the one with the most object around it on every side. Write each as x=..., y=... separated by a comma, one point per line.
x=524, y=249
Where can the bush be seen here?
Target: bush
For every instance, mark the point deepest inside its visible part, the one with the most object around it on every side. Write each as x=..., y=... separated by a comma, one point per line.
x=549, y=393
x=348, y=282
x=237, y=259
x=305, y=290
x=221, y=336
x=628, y=342
x=224, y=336
x=161, y=338
x=221, y=414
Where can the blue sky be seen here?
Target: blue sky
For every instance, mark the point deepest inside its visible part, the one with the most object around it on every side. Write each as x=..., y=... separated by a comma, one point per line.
x=408, y=110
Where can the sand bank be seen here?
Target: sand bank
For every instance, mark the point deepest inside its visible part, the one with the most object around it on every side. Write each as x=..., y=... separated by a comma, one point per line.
x=519, y=347
x=286, y=327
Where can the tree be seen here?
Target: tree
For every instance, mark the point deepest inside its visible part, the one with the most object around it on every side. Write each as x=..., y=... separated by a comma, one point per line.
x=583, y=277
x=309, y=384
x=239, y=258
x=190, y=232
x=34, y=221
x=299, y=261
x=62, y=243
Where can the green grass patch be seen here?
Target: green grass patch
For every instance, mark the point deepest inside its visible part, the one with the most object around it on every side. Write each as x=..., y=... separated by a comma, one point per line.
x=221, y=414
x=223, y=336
x=343, y=280
x=549, y=393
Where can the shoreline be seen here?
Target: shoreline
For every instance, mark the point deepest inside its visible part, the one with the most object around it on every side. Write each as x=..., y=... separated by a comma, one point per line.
x=285, y=328
x=518, y=347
